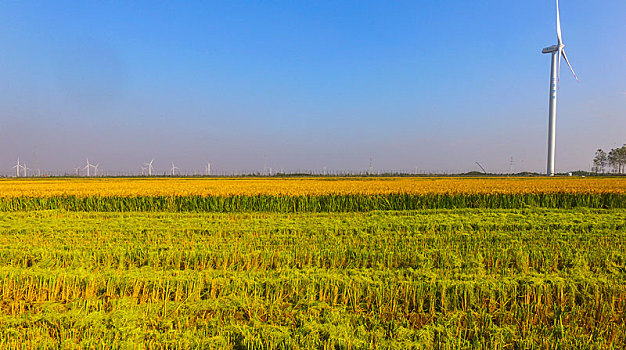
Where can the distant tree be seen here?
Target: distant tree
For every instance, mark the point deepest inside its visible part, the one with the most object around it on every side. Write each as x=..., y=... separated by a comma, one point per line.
x=617, y=159
x=600, y=161
x=621, y=158
x=612, y=160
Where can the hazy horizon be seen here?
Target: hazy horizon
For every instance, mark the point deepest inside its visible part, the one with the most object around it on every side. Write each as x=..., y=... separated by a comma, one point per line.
x=432, y=86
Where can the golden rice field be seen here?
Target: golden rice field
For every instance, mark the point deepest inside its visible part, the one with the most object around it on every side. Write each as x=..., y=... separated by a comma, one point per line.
x=129, y=187
x=313, y=263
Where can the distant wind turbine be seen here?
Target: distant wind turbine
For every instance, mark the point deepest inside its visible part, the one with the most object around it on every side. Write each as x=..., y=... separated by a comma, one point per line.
x=557, y=51
x=88, y=167
x=208, y=169
x=173, y=169
x=25, y=169
x=149, y=166
x=95, y=169
x=17, y=167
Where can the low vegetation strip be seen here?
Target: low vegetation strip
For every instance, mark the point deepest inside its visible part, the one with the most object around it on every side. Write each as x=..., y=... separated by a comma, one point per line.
x=317, y=203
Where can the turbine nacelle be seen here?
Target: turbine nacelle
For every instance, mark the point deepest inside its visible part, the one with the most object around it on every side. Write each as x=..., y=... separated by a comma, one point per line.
x=551, y=49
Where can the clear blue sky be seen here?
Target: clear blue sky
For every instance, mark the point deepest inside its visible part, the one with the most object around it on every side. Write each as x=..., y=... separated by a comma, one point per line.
x=435, y=85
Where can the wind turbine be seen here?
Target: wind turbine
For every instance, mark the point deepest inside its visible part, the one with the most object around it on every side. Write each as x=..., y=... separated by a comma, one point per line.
x=557, y=51
x=95, y=169
x=88, y=166
x=17, y=167
x=208, y=169
x=150, y=168
x=26, y=169
x=174, y=169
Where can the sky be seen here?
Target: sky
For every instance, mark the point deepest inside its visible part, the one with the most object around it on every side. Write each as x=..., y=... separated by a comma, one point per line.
x=307, y=85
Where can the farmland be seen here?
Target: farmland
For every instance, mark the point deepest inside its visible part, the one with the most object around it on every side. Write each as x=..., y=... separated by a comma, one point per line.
x=155, y=187
x=521, y=263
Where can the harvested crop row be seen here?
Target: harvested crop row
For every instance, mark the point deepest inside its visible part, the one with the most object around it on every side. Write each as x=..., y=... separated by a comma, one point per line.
x=384, y=279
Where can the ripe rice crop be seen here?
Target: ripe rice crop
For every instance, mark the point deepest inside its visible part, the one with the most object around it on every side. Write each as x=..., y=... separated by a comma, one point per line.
x=294, y=187
x=308, y=194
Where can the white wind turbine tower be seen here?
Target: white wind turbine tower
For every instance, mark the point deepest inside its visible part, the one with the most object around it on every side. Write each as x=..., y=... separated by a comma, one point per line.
x=173, y=169
x=26, y=169
x=208, y=169
x=557, y=51
x=95, y=169
x=88, y=167
x=149, y=166
x=17, y=167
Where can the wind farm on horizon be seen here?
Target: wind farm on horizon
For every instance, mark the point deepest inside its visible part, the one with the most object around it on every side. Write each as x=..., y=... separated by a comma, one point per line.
x=149, y=169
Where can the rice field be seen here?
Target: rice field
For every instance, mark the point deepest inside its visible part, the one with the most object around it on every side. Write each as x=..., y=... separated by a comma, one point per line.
x=314, y=186
x=546, y=270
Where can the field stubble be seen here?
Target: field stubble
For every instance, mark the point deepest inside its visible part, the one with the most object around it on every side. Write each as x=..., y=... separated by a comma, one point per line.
x=433, y=278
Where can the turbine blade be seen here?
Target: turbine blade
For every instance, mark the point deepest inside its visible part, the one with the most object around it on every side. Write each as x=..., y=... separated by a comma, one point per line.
x=558, y=69
x=570, y=66
x=558, y=24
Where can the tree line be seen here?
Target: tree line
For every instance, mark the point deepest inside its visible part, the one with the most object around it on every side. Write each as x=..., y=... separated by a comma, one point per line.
x=615, y=160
